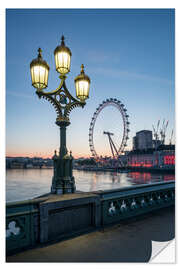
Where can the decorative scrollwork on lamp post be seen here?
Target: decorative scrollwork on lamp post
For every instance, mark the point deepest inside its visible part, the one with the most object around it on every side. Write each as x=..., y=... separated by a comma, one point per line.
x=63, y=102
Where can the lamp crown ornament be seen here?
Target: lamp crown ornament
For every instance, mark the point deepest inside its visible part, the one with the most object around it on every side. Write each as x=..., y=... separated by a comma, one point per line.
x=82, y=75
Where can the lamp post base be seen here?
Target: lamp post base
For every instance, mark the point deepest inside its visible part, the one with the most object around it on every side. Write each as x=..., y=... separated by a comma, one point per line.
x=67, y=186
x=63, y=182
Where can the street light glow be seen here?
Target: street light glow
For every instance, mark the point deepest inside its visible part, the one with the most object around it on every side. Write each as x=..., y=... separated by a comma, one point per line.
x=62, y=60
x=62, y=56
x=82, y=83
x=39, y=72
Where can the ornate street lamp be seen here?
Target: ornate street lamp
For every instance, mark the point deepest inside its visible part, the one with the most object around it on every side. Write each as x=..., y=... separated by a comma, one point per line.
x=82, y=83
x=39, y=72
x=63, y=102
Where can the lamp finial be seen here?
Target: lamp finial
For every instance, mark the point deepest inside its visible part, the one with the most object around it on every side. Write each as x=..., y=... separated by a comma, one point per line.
x=39, y=53
x=82, y=69
x=62, y=40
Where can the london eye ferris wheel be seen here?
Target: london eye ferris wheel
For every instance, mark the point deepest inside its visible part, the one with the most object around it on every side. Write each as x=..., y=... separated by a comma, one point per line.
x=115, y=150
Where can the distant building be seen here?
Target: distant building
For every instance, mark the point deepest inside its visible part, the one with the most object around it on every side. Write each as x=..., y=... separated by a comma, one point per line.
x=29, y=166
x=143, y=140
x=135, y=144
x=163, y=156
x=26, y=162
x=16, y=165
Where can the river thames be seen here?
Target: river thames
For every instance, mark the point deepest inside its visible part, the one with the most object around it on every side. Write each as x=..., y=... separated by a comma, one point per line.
x=23, y=184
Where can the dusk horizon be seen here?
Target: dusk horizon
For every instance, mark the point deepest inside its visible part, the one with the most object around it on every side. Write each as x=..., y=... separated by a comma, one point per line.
x=128, y=55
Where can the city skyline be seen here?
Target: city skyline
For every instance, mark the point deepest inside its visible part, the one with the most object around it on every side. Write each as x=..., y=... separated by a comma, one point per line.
x=128, y=55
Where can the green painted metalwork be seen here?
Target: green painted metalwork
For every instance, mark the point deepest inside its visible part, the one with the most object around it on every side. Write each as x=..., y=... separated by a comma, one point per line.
x=64, y=103
x=129, y=202
x=21, y=218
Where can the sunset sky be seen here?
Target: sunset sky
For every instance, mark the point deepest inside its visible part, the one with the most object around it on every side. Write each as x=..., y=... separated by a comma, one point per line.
x=128, y=55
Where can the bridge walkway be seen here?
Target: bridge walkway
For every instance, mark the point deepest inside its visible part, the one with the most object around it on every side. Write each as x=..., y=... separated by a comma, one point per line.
x=129, y=241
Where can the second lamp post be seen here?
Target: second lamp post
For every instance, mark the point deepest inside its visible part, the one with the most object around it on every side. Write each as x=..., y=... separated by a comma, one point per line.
x=63, y=102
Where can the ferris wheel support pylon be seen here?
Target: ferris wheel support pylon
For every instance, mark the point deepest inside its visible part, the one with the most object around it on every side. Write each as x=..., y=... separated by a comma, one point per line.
x=112, y=146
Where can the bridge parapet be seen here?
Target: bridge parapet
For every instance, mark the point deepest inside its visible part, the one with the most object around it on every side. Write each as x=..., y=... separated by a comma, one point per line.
x=123, y=203
x=22, y=224
x=53, y=217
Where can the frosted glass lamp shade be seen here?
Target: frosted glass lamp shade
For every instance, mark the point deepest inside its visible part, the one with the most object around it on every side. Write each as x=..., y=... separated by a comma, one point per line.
x=62, y=55
x=39, y=72
x=82, y=84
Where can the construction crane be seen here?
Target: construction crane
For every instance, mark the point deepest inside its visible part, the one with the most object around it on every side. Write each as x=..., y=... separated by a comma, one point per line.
x=156, y=136
x=163, y=131
x=170, y=141
x=157, y=128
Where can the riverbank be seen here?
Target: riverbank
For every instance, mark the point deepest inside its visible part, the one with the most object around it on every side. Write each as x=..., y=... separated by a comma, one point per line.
x=128, y=169
x=30, y=168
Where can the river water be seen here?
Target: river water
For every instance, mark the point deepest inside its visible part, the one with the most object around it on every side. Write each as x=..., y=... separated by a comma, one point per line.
x=29, y=183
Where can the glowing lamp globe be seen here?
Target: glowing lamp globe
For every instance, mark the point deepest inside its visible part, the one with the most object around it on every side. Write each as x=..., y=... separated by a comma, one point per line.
x=39, y=72
x=82, y=84
x=62, y=56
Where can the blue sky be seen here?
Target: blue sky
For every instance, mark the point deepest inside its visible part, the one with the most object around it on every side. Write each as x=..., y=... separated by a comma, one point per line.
x=128, y=54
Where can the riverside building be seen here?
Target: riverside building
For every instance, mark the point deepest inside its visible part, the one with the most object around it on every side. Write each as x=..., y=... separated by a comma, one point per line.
x=162, y=157
x=143, y=140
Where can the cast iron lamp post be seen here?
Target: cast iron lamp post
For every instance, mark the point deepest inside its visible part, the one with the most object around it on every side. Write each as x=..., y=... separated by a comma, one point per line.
x=63, y=102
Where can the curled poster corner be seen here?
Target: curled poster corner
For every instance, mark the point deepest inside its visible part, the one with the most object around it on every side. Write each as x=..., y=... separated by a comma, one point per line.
x=163, y=252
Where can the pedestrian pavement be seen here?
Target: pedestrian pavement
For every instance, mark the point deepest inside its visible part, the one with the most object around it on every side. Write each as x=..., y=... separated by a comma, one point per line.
x=128, y=241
